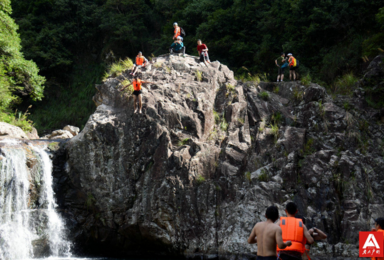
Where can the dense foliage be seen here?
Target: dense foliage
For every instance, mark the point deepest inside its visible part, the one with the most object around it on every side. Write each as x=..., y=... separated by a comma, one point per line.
x=330, y=38
x=17, y=75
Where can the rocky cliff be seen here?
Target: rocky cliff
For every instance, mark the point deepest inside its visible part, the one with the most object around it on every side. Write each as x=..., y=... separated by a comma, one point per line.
x=193, y=173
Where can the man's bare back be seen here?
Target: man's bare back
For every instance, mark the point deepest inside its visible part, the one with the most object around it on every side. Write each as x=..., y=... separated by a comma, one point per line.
x=267, y=235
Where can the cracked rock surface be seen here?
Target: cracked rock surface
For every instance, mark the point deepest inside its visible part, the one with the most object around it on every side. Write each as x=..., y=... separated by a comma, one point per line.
x=194, y=173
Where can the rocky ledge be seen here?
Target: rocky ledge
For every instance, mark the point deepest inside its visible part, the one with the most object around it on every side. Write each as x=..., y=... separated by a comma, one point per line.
x=193, y=173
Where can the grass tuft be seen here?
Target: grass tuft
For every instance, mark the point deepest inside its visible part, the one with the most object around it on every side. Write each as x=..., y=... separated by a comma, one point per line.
x=306, y=80
x=183, y=142
x=199, y=75
x=264, y=95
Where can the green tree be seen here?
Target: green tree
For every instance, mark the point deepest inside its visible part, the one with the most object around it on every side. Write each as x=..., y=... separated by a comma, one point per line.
x=17, y=75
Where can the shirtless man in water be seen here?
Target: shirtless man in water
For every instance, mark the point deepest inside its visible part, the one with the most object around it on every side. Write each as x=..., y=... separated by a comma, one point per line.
x=267, y=235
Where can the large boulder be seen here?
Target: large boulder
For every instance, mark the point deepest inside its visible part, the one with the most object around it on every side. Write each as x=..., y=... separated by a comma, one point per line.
x=72, y=129
x=11, y=131
x=195, y=171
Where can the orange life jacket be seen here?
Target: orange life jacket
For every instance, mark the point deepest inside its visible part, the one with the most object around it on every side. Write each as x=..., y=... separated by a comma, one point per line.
x=292, y=61
x=136, y=85
x=177, y=31
x=293, y=230
x=378, y=258
x=139, y=60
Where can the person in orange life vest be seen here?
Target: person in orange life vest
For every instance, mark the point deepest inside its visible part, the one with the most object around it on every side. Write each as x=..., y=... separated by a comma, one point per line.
x=177, y=31
x=267, y=235
x=294, y=230
x=137, y=82
x=202, y=49
x=316, y=233
x=379, y=227
x=140, y=62
x=292, y=66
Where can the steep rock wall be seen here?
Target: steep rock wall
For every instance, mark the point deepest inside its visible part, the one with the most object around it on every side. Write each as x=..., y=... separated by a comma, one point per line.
x=195, y=172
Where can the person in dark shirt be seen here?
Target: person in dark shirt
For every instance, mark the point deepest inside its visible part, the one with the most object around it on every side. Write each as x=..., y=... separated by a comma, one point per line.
x=280, y=63
x=203, y=52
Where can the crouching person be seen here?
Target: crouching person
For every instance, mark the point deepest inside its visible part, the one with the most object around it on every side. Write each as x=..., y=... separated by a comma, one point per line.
x=177, y=47
x=140, y=62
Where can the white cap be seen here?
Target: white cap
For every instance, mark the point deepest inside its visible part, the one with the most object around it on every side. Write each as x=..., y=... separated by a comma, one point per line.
x=178, y=37
x=289, y=54
x=175, y=24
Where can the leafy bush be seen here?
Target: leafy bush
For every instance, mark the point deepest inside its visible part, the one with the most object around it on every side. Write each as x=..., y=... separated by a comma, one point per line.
x=17, y=75
x=264, y=95
x=344, y=85
x=117, y=68
x=306, y=80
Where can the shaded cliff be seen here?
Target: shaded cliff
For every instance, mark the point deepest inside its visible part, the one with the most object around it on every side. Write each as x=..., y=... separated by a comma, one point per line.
x=193, y=173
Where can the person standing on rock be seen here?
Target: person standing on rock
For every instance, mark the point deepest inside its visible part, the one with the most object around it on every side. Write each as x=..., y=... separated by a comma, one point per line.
x=177, y=31
x=140, y=62
x=281, y=64
x=268, y=236
x=202, y=49
x=294, y=230
x=177, y=47
x=292, y=67
x=137, y=82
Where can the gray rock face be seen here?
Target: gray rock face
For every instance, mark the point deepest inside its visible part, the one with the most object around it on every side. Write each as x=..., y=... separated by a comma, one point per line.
x=193, y=173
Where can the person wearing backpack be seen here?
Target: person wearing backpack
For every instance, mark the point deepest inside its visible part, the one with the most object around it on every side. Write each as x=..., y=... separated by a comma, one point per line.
x=202, y=49
x=177, y=47
x=178, y=32
x=292, y=66
x=281, y=63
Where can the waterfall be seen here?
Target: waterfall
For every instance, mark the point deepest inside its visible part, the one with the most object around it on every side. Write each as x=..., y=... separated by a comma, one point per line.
x=28, y=220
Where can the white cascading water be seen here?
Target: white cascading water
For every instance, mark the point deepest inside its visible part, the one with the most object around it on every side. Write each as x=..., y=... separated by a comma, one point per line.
x=18, y=226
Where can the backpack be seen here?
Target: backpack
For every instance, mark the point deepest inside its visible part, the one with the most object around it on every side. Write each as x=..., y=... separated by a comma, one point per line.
x=297, y=63
x=182, y=32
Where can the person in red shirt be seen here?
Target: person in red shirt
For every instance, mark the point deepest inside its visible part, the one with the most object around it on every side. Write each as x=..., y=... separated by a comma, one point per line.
x=137, y=82
x=203, y=52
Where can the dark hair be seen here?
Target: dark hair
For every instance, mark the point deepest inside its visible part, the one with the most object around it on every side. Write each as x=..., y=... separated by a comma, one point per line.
x=380, y=222
x=291, y=208
x=136, y=77
x=272, y=213
x=282, y=53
